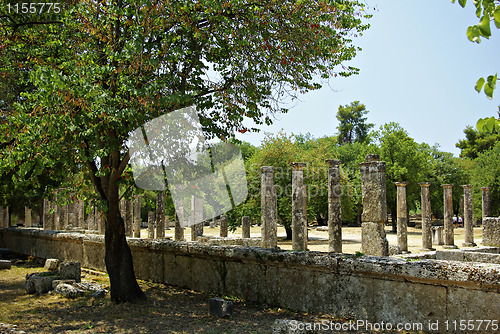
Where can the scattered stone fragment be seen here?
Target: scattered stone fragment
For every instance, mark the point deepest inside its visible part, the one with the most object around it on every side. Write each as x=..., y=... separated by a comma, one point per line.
x=99, y=294
x=220, y=308
x=88, y=286
x=286, y=326
x=10, y=329
x=51, y=264
x=69, y=291
x=395, y=249
x=5, y=264
x=56, y=282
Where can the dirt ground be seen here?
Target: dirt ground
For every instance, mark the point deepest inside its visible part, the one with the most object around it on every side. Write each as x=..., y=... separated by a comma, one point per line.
x=168, y=309
x=351, y=237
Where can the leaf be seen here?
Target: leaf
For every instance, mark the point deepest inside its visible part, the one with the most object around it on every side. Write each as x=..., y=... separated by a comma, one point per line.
x=480, y=124
x=480, y=84
x=490, y=124
x=484, y=26
x=473, y=34
x=496, y=16
x=490, y=86
x=462, y=3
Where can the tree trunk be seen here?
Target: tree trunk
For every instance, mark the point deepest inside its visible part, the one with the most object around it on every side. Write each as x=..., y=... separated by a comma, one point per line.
x=119, y=265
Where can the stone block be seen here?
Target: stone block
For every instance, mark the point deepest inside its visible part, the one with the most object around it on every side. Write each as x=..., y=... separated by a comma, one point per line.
x=70, y=270
x=220, y=308
x=51, y=264
x=69, y=291
x=38, y=284
x=5, y=264
x=491, y=231
x=395, y=249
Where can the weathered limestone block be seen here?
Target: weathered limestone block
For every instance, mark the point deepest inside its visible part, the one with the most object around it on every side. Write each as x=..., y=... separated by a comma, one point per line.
x=220, y=308
x=491, y=231
x=268, y=208
x=51, y=264
x=373, y=242
x=70, y=270
x=299, y=222
x=38, y=284
x=468, y=223
x=245, y=227
x=334, y=207
x=426, y=216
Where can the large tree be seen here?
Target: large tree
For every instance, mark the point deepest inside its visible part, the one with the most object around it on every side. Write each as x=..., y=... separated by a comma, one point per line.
x=353, y=127
x=107, y=67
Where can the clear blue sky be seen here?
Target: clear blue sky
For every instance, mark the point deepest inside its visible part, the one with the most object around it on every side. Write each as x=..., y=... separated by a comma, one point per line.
x=417, y=69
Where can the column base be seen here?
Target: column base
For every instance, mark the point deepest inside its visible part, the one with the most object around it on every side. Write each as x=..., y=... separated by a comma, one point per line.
x=427, y=249
x=469, y=244
x=450, y=247
x=405, y=252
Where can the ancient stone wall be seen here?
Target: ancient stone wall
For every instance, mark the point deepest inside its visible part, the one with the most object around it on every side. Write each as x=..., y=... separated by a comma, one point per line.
x=367, y=287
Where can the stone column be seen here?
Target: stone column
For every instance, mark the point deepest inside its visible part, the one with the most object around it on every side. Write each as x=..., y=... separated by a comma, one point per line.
x=151, y=225
x=426, y=216
x=27, y=217
x=91, y=221
x=245, y=227
x=486, y=201
x=137, y=216
x=449, y=238
x=2, y=221
x=374, y=215
x=402, y=216
x=268, y=208
x=129, y=218
x=63, y=217
x=160, y=215
x=72, y=206
x=100, y=221
x=223, y=226
x=179, y=216
x=55, y=215
x=468, y=223
x=123, y=212
x=334, y=207
x=80, y=220
x=196, y=217
x=46, y=214
x=299, y=224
